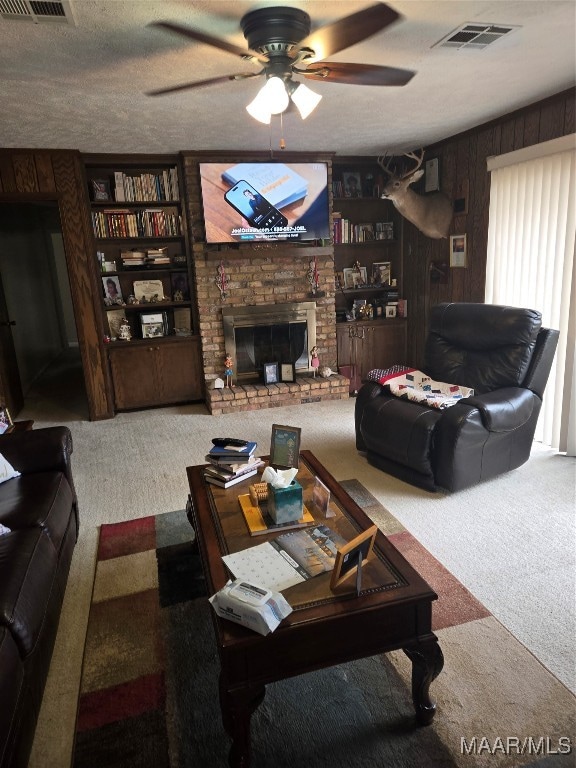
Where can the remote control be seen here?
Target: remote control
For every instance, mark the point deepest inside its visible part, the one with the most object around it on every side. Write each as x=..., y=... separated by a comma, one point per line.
x=229, y=441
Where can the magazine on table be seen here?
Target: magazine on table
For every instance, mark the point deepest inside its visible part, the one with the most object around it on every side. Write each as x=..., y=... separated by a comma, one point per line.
x=289, y=559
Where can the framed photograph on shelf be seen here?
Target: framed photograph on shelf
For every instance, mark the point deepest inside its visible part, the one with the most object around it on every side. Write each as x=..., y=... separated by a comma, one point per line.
x=153, y=325
x=112, y=290
x=355, y=278
x=284, y=446
x=180, y=287
x=353, y=554
x=352, y=184
x=321, y=499
x=271, y=373
x=115, y=318
x=382, y=272
x=390, y=311
x=457, y=250
x=5, y=419
x=182, y=321
x=100, y=190
x=288, y=372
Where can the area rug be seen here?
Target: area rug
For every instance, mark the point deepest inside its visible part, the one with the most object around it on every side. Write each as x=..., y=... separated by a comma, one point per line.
x=149, y=690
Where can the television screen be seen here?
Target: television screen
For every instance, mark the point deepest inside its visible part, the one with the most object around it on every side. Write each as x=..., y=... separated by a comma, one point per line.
x=265, y=201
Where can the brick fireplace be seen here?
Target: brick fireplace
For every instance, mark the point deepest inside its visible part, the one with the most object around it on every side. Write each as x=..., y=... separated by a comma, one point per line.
x=259, y=275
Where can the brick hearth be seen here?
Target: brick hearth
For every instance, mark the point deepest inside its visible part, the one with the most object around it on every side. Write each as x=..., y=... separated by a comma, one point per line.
x=253, y=397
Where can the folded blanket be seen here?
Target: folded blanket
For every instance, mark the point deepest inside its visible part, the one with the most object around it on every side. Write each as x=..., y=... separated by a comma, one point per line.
x=415, y=385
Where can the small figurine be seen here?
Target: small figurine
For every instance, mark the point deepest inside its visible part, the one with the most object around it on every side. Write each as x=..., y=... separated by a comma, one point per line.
x=125, y=333
x=314, y=359
x=229, y=373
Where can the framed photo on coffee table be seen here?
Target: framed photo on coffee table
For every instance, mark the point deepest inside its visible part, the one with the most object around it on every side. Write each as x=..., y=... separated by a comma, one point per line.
x=353, y=554
x=284, y=447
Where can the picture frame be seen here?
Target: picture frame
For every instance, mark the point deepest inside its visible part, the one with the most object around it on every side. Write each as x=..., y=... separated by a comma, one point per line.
x=271, y=373
x=153, y=325
x=458, y=250
x=100, y=190
x=390, y=311
x=431, y=175
x=354, y=278
x=382, y=272
x=112, y=290
x=115, y=318
x=179, y=286
x=352, y=184
x=285, y=446
x=146, y=290
x=5, y=419
x=353, y=554
x=321, y=499
x=288, y=372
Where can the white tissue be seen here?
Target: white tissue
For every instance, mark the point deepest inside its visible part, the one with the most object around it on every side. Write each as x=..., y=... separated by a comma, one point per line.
x=279, y=478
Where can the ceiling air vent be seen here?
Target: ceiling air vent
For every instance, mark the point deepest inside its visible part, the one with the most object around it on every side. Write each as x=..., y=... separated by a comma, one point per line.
x=475, y=35
x=37, y=10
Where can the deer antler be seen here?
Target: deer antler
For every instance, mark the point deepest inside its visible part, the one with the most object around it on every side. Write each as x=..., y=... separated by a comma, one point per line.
x=384, y=163
x=419, y=157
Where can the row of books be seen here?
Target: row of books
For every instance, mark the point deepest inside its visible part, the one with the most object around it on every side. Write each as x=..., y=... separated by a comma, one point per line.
x=146, y=187
x=229, y=464
x=147, y=223
x=344, y=231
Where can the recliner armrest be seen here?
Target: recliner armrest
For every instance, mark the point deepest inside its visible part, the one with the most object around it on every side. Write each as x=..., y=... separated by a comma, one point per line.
x=503, y=410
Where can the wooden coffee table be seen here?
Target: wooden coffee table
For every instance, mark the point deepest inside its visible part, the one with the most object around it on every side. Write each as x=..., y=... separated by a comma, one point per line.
x=393, y=610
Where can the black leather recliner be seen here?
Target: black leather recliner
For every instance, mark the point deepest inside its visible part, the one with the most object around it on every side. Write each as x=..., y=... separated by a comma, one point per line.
x=501, y=352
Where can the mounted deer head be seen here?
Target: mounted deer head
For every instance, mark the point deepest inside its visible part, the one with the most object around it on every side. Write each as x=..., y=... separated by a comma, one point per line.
x=432, y=214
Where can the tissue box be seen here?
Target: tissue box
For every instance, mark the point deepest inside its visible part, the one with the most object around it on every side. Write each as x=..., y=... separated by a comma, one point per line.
x=285, y=504
x=251, y=605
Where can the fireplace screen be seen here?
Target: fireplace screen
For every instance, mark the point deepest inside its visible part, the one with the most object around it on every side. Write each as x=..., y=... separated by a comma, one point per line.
x=283, y=333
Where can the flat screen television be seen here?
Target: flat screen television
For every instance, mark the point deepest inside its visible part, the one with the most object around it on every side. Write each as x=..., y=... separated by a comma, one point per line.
x=265, y=201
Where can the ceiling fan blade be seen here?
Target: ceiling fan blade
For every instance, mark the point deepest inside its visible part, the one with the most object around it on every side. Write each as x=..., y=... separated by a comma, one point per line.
x=357, y=74
x=217, y=42
x=347, y=31
x=202, y=83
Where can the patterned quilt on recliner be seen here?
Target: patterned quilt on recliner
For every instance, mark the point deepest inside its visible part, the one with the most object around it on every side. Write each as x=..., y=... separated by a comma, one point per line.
x=415, y=385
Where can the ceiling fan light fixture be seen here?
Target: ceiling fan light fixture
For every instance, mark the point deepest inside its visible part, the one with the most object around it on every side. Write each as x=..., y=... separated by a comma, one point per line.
x=259, y=110
x=305, y=99
x=274, y=95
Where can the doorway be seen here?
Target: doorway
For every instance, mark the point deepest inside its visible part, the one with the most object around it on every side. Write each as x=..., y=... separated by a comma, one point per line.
x=37, y=316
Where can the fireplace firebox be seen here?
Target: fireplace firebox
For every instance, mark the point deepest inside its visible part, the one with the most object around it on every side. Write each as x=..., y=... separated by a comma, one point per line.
x=272, y=333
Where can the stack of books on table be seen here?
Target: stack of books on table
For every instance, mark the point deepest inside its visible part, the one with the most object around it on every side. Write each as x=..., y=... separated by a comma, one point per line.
x=231, y=464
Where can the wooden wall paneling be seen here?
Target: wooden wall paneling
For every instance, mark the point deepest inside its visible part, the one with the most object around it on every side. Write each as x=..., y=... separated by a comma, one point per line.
x=25, y=172
x=531, y=128
x=7, y=177
x=79, y=249
x=570, y=114
x=551, y=120
x=519, y=132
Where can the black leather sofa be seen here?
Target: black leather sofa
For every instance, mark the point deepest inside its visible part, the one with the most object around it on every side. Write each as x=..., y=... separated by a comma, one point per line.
x=40, y=509
x=505, y=355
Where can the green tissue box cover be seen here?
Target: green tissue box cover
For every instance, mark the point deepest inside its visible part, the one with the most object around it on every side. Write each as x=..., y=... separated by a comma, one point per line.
x=285, y=504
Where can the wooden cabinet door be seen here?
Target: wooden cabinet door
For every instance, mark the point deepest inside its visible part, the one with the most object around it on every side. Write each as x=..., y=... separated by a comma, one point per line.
x=134, y=376
x=383, y=345
x=179, y=371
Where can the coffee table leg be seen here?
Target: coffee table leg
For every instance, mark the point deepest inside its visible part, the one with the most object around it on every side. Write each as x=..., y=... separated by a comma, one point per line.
x=427, y=662
x=237, y=707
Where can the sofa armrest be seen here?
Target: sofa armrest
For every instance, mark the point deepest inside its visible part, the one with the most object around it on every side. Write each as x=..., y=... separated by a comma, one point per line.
x=504, y=410
x=38, y=450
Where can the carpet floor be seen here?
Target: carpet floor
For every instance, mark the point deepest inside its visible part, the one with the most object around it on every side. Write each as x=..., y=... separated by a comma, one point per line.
x=149, y=690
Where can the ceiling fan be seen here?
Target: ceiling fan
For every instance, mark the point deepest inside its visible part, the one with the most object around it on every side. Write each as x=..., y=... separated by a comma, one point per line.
x=280, y=39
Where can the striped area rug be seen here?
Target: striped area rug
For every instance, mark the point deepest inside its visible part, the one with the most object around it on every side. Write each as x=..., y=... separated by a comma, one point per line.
x=149, y=690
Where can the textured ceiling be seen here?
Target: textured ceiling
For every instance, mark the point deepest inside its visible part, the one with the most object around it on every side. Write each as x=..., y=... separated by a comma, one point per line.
x=83, y=87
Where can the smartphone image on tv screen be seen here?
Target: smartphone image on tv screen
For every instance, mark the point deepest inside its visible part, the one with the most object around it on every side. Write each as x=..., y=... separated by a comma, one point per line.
x=254, y=207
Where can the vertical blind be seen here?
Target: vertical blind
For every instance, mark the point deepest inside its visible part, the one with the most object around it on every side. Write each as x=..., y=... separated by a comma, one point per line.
x=530, y=263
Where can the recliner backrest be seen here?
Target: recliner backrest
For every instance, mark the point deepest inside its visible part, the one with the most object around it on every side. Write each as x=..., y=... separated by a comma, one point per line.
x=484, y=346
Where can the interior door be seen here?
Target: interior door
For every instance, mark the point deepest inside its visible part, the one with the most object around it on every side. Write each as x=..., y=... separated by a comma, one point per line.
x=10, y=385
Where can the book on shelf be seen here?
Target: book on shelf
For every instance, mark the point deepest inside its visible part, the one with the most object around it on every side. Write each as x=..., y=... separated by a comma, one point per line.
x=259, y=521
x=278, y=183
x=236, y=452
x=227, y=483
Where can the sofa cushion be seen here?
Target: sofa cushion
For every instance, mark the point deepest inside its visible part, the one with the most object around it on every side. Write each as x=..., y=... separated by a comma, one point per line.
x=41, y=500
x=28, y=564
